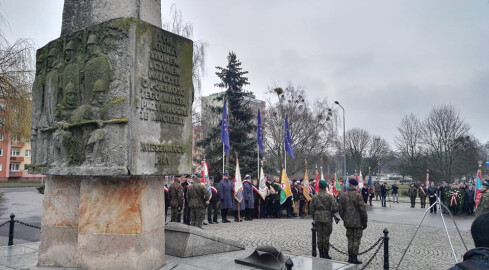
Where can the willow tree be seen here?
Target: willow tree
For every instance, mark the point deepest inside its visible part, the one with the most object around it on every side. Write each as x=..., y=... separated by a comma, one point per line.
x=16, y=77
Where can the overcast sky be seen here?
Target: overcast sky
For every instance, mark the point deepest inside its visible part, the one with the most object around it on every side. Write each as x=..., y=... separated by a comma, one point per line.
x=379, y=59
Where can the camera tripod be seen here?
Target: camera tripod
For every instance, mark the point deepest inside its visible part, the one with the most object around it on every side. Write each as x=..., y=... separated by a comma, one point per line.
x=438, y=202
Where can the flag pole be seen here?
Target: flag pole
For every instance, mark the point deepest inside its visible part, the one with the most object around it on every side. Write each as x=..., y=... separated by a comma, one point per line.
x=239, y=203
x=223, y=157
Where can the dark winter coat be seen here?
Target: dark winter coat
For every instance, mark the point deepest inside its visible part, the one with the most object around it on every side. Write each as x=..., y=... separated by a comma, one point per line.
x=469, y=196
x=431, y=191
x=477, y=257
x=413, y=192
x=226, y=192
x=295, y=193
x=353, y=210
x=248, y=198
x=383, y=190
x=215, y=194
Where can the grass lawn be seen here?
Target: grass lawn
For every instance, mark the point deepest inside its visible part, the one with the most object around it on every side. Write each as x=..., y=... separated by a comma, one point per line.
x=20, y=184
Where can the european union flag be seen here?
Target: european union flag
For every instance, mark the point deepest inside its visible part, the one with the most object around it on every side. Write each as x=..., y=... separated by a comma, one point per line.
x=370, y=180
x=287, y=140
x=259, y=133
x=224, y=129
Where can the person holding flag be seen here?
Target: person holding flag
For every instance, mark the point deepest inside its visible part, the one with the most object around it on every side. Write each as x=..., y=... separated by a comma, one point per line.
x=336, y=185
x=238, y=204
x=286, y=193
x=249, y=200
x=306, y=193
x=483, y=206
x=277, y=187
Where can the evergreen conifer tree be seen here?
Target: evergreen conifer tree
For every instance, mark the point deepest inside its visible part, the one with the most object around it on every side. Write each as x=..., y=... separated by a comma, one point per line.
x=241, y=127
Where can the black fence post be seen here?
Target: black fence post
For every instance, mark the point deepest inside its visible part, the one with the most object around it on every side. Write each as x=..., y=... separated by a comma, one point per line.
x=386, y=249
x=314, y=230
x=11, y=230
x=289, y=264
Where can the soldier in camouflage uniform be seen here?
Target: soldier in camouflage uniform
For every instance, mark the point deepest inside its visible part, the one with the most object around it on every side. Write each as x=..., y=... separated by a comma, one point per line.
x=413, y=193
x=483, y=205
x=353, y=211
x=198, y=199
x=323, y=206
x=176, y=199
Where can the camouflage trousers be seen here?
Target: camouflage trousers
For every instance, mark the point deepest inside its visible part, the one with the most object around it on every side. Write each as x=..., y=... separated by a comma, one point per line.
x=174, y=215
x=354, y=236
x=197, y=216
x=324, y=231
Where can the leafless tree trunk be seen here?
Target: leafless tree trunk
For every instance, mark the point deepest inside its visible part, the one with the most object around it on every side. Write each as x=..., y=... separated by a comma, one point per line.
x=358, y=142
x=441, y=129
x=311, y=129
x=408, y=144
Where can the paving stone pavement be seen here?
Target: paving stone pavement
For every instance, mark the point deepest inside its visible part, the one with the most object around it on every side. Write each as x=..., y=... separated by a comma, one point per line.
x=430, y=248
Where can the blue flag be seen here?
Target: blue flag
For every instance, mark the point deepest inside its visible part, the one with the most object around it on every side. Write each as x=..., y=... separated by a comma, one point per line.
x=224, y=129
x=287, y=140
x=259, y=133
x=370, y=180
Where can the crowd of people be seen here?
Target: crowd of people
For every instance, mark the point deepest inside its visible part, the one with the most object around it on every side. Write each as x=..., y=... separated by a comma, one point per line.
x=187, y=196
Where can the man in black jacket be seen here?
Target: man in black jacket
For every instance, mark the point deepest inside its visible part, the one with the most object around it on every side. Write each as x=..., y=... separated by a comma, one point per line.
x=432, y=197
x=213, y=202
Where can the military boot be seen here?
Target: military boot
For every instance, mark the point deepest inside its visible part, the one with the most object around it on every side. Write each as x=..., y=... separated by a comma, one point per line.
x=326, y=254
x=354, y=259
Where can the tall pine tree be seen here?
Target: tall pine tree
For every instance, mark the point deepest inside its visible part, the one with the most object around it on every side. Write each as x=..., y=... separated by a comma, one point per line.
x=241, y=128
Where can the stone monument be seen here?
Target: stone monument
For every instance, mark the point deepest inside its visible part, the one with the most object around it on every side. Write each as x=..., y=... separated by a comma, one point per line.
x=111, y=113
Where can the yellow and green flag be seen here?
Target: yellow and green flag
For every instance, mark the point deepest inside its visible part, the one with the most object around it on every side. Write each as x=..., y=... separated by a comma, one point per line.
x=286, y=191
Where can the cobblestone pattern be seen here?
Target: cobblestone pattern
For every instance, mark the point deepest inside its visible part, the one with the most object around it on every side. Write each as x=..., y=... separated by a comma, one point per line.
x=429, y=250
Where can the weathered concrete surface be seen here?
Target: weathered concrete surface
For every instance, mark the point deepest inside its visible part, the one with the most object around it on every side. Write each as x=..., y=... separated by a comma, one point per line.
x=79, y=14
x=103, y=223
x=113, y=99
x=188, y=241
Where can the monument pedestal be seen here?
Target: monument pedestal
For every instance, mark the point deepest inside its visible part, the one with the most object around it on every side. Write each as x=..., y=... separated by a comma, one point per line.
x=106, y=222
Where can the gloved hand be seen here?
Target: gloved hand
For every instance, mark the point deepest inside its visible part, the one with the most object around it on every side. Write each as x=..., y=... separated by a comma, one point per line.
x=364, y=227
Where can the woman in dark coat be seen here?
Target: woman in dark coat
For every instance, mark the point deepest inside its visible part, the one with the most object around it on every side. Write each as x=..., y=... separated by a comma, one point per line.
x=226, y=192
x=248, y=198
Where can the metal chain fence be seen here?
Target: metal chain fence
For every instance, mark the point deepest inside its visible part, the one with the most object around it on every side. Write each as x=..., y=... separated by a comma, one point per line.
x=384, y=240
x=12, y=222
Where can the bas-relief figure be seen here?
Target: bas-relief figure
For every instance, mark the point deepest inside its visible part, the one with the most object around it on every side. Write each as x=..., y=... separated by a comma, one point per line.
x=74, y=95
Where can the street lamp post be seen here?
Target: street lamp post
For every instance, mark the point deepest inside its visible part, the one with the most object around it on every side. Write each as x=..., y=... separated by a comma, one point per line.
x=344, y=140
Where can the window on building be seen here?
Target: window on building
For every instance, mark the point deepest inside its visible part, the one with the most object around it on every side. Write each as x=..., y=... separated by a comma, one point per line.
x=2, y=107
x=2, y=121
x=1, y=167
x=1, y=137
x=27, y=153
x=1, y=152
x=15, y=152
x=14, y=167
x=15, y=139
x=25, y=167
